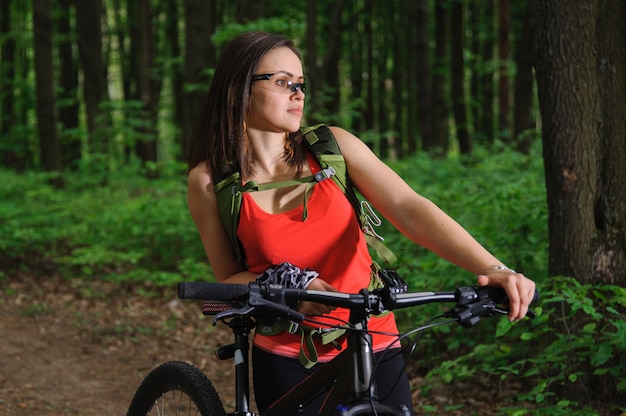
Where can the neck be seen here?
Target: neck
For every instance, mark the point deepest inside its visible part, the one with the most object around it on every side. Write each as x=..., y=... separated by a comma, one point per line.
x=268, y=151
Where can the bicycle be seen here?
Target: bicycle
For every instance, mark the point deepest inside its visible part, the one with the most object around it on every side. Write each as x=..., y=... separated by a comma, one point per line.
x=184, y=389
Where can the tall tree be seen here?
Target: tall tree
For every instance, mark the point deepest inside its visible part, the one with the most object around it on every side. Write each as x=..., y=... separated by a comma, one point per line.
x=474, y=62
x=384, y=44
x=523, y=97
x=89, y=28
x=400, y=78
x=457, y=77
x=146, y=147
x=486, y=103
x=580, y=64
x=439, y=127
x=504, y=51
x=172, y=38
x=333, y=56
x=310, y=59
x=199, y=57
x=121, y=30
x=368, y=36
x=7, y=78
x=68, y=103
x=246, y=11
x=50, y=151
x=420, y=65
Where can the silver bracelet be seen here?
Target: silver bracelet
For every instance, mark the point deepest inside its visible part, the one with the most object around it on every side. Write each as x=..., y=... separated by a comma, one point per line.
x=499, y=267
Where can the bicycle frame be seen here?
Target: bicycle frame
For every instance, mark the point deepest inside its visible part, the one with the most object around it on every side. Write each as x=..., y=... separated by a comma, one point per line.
x=353, y=391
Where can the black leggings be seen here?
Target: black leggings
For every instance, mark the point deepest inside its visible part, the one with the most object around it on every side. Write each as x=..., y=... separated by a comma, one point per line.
x=274, y=375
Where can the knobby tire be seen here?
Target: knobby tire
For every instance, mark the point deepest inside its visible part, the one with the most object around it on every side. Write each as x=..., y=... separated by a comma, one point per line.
x=176, y=388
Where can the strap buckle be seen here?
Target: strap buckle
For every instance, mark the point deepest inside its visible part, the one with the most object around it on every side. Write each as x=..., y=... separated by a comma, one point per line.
x=324, y=174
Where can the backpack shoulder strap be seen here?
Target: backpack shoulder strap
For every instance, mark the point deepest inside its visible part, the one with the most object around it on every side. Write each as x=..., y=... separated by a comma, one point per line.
x=324, y=146
x=228, y=205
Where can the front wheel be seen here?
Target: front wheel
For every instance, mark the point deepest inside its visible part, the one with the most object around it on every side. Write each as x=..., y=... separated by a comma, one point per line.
x=176, y=388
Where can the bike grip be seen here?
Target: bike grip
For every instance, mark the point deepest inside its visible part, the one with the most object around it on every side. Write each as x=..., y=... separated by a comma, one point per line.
x=498, y=295
x=212, y=291
x=536, y=297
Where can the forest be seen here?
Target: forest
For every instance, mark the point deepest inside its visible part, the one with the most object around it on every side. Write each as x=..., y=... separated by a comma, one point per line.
x=508, y=114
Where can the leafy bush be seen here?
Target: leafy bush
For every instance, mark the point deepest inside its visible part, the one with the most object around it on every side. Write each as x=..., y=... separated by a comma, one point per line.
x=130, y=228
x=571, y=357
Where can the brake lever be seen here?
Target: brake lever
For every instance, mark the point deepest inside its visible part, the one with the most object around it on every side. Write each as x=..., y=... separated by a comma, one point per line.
x=244, y=311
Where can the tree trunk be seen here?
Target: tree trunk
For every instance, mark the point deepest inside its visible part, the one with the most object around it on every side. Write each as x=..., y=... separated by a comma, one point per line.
x=382, y=100
x=504, y=52
x=310, y=59
x=175, y=68
x=368, y=111
x=199, y=56
x=475, y=48
x=68, y=80
x=399, y=80
x=247, y=11
x=146, y=146
x=88, y=13
x=579, y=63
x=333, y=56
x=356, y=54
x=437, y=140
x=45, y=95
x=487, y=78
x=523, y=119
x=421, y=60
x=123, y=28
x=457, y=78
x=8, y=155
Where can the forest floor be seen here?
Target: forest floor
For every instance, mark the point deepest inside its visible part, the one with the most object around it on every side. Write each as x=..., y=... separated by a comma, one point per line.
x=82, y=347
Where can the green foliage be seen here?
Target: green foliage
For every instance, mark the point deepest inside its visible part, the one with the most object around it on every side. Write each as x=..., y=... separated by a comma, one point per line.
x=498, y=195
x=292, y=27
x=573, y=353
x=130, y=228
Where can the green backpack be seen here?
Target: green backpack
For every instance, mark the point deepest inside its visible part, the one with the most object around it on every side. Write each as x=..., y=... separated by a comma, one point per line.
x=322, y=143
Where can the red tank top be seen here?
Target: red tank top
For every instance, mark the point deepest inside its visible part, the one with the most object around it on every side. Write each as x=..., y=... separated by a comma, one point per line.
x=330, y=242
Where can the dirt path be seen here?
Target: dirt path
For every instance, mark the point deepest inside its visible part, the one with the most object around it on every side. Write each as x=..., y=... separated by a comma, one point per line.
x=70, y=348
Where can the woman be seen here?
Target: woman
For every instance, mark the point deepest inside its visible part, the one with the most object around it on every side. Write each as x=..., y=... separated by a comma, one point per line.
x=251, y=121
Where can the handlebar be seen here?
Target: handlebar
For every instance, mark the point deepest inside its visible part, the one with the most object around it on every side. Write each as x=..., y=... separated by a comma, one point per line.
x=255, y=299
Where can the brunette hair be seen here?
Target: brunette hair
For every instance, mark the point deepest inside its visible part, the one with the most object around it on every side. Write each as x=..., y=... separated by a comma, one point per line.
x=219, y=136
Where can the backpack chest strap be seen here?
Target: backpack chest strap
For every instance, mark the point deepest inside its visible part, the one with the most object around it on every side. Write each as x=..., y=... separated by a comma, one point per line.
x=252, y=186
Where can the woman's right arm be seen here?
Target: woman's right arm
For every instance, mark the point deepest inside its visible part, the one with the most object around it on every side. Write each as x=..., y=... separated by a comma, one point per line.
x=202, y=205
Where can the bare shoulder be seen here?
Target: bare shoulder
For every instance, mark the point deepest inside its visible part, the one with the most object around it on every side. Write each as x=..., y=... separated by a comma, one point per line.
x=354, y=150
x=199, y=179
x=343, y=136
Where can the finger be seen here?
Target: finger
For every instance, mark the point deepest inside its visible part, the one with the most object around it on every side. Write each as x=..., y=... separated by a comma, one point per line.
x=483, y=280
x=528, y=292
x=513, y=293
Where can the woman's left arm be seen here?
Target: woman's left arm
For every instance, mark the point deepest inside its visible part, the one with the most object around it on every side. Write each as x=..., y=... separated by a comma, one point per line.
x=420, y=220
